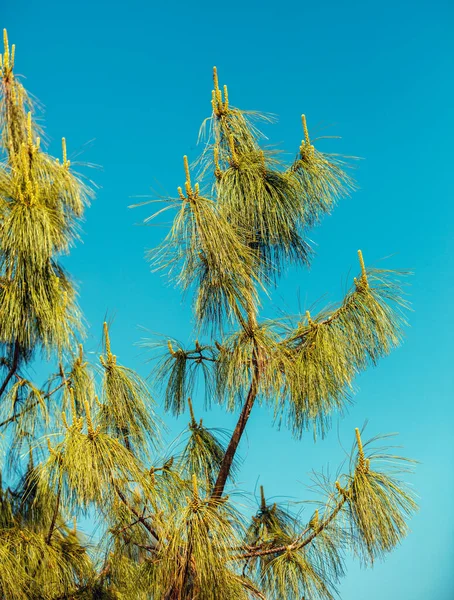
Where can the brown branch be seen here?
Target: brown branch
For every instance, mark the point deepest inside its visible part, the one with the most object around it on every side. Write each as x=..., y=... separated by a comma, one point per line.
x=55, y=514
x=12, y=369
x=140, y=518
x=51, y=528
x=201, y=357
x=227, y=461
x=129, y=540
x=81, y=590
x=297, y=544
x=45, y=397
x=126, y=527
x=229, y=455
x=334, y=315
x=125, y=435
x=104, y=572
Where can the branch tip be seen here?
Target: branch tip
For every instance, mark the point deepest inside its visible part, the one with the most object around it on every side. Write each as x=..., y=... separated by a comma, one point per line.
x=232, y=150
x=215, y=78
x=226, y=99
x=29, y=129
x=186, y=169
x=66, y=162
x=262, y=498
x=90, y=429
x=305, y=129
x=73, y=404
x=107, y=339
x=195, y=488
x=191, y=412
x=64, y=419
x=361, y=461
x=363, y=266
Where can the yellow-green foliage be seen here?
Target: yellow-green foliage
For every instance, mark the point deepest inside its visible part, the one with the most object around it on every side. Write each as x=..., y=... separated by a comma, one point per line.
x=264, y=202
x=207, y=251
x=195, y=563
x=379, y=503
x=322, y=355
x=87, y=442
x=46, y=568
x=81, y=383
x=127, y=407
x=320, y=177
x=88, y=464
x=41, y=201
x=202, y=454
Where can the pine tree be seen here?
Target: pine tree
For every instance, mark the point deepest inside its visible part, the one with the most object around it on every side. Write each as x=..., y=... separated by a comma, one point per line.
x=88, y=441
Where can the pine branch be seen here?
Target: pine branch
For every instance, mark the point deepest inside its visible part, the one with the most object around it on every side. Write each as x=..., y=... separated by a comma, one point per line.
x=82, y=589
x=55, y=514
x=45, y=397
x=140, y=518
x=298, y=543
x=229, y=456
x=231, y=238
x=320, y=359
x=129, y=540
x=12, y=369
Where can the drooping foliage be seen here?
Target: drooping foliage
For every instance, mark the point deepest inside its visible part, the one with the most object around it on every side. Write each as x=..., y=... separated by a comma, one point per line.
x=88, y=444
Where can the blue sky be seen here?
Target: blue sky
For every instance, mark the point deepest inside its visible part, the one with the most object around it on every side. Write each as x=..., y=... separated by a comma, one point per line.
x=129, y=84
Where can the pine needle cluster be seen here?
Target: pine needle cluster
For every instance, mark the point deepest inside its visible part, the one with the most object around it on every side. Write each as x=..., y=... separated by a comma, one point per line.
x=87, y=443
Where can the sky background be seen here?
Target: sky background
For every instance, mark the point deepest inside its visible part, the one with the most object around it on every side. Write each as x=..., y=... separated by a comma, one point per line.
x=128, y=85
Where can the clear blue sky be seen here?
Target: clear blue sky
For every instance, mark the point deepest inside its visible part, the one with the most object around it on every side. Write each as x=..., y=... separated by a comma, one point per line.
x=136, y=79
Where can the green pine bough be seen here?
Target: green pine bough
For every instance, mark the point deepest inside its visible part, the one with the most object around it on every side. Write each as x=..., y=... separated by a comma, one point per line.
x=88, y=441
